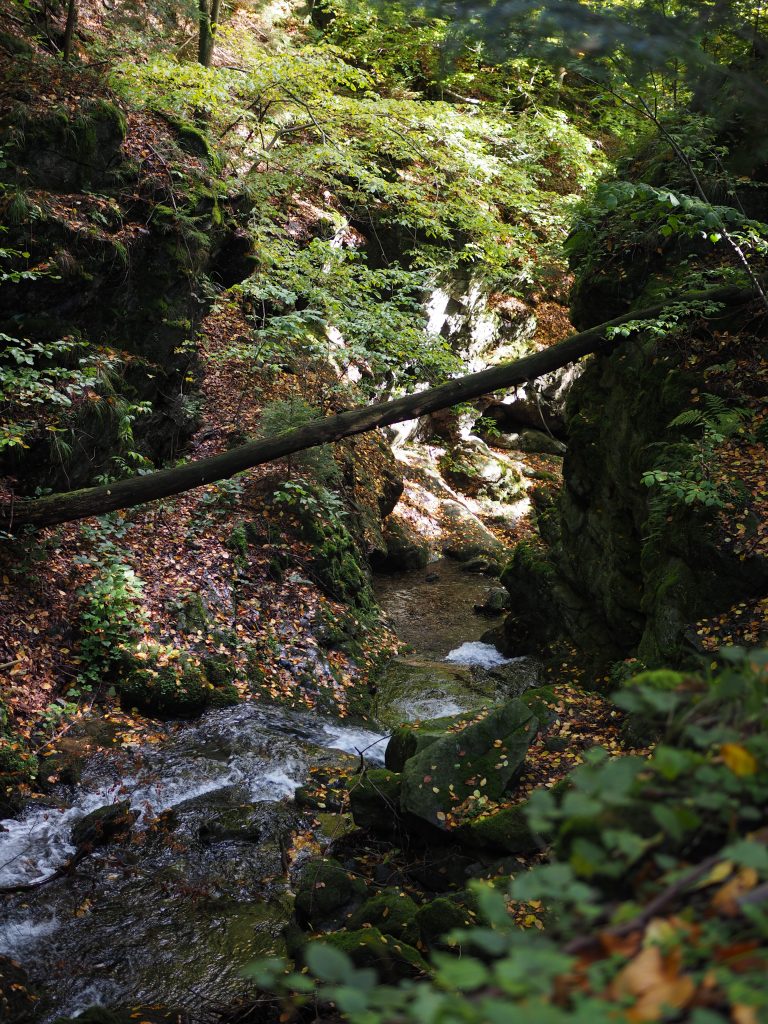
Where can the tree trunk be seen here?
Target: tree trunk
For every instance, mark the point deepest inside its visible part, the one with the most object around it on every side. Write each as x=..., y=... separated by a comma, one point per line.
x=209, y=22
x=93, y=501
x=69, y=30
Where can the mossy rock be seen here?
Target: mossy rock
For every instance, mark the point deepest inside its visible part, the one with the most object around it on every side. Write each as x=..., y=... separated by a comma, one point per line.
x=482, y=758
x=506, y=830
x=538, y=700
x=191, y=612
x=411, y=738
x=239, y=824
x=171, y=685
x=103, y=825
x=440, y=916
x=375, y=798
x=406, y=548
x=237, y=541
x=16, y=764
x=325, y=891
x=191, y=139
x=20, y=1001
x=390, y=910
x=220, y=671
x=391, y=958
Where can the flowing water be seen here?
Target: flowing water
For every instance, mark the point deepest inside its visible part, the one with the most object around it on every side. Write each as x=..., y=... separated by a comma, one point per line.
x=200, y=888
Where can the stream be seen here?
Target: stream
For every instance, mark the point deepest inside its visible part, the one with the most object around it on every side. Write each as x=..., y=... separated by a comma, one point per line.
x=200, y=888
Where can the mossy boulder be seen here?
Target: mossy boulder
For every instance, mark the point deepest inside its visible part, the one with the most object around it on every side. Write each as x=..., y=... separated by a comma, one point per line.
x=495, y=602
x=191, y=612
x=240, y=824
x=103, y=825
x=169, y=683
x=410, y=739
x=465, y=535
x=405, y=548
x=391, y=958
x=325, y=892
x=73, y=150
x=475, y=469
x=530, y=580
x=440, y=916
x=506, y=830
x=375, y=799
x=20, y=1002
x=390, y=910
x=482, y=758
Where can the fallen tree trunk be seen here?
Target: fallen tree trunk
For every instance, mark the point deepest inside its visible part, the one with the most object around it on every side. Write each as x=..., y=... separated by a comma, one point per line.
x=93, y=501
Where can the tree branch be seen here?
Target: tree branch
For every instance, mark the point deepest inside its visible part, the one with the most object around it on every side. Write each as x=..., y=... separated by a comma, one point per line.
x=93, y=501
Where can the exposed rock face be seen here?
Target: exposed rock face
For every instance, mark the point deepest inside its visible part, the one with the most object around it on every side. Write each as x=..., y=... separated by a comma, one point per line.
x=541, y=403
x=406, y=548
x=467, y=537
x=613, y=579
x=125, y=247
x=479, y=327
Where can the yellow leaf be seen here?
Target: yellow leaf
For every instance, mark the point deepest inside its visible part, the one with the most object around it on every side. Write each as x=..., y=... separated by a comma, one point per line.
x=738, y=759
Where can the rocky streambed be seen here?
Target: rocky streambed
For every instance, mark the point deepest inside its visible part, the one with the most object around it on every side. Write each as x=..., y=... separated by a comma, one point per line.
x=194, y=864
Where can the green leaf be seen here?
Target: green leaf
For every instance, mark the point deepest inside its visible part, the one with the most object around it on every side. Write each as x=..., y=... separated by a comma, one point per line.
x=464, y=973
x=328, y=963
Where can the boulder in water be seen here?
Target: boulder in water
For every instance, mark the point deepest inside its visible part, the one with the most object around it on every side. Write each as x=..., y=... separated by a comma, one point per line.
x=466, y=537
x=495, y=603
x=241, y=824
x=482, y=758
x=103, y=825
x=326, y=891
x=411, y=738
x=406, y=548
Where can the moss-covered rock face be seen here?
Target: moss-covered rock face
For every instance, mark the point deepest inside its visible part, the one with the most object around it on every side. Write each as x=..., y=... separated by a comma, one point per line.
x=326, y=891
x=126, y=272
x=392, y=958
x=390, y=910
x=440, y=916
x=482, y=757
x=68, y=151
x=405, y=548
x=169, y=683
x=506, y=830
x=613, y=579
x=530, y=580
x=20, y=1002
x=375, y=798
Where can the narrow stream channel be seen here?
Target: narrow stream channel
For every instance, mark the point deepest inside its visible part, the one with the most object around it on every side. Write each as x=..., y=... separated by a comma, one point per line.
x=200, y=888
